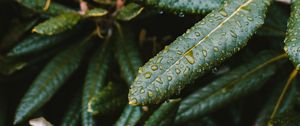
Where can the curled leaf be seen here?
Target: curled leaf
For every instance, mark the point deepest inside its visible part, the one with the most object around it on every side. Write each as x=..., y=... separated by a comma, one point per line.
x=129, y=12
x=217, y=37
x=239, y=82
x=57, y=24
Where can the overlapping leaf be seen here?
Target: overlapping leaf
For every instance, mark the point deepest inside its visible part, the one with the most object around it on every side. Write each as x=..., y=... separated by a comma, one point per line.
x=292, y=40
x=129, y=61
x=129, y=12
x=184, y=6
x=57, y=24
x=38, y=6
x=35, y=43
x=239, y=82
x=217, y=37
x=52, y=77
x=109, y=99
x=164, y=115
x=95, y=80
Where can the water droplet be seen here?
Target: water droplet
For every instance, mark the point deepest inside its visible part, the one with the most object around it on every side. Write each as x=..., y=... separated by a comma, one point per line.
x=298, y=49
x=154, y=67
x=204, y=52
x=298, y=67
x=198, y=33
x=142, y=90
x=133, y=101
x=223, y=13
x=169, y=78
x=179, y=52
x=216, y=49
x=177, y=71
x=238, y=23
x=150, y=94
x=214, y=70
x=250, y=18
x=178, y=62
x=158, y=79
x=233, y=34
x=293, y=39
x=159, y=59
x=285, y=48
x=140, y=70
x=147, y=75
x=190, y=57
x=181, y=14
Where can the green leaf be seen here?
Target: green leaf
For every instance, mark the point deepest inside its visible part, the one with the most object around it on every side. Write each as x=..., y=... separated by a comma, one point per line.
x=52, y=77
x=292, y=40
x=285, y=105
x=96, y=12
x=38, y=6
x=73, y=114
x=130, y=116
x=57, y=24
x=127, y=54
x=95, y=80
x=35, y=43
x=129, y=12
x=184, y=6
x=106, y=2
x=239, y=82
x=164, y=115
x=198, y=50
x=109, y=99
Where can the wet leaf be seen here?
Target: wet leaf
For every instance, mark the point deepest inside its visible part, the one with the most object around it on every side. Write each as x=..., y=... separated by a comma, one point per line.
x=292, y=44
x=96, y=12
x=198, y=50
x=236, y=84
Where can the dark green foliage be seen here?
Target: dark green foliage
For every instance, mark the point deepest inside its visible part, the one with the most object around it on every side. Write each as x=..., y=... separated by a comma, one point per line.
x=73, y=114
x=198, y=50
x=95, y=80
x=292, y=38
x=235, y=84
x=184, y=6
x=130, y=116
x=57, y=24
x=51, y=78
x=110, y=98
x=38, y=6
x=164, y=115
x=209, y=75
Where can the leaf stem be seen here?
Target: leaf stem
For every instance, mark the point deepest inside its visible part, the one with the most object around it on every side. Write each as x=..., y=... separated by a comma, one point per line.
x=284, y=91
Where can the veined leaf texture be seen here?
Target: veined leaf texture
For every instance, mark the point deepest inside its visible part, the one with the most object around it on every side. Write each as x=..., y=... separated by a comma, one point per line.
x=215, y=38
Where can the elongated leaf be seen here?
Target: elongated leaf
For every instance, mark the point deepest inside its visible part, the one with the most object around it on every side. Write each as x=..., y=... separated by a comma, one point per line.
x=15, y=33
x=110, y=98
x=36, y=43
x=73, y=114
x=130, y=116
x=184, y=6
x=217, y=37
x=52, y=77
x=237, y=83
x=127, y=54
x=95, y=80
x=164, y=115
x=38, y=5
x=96, y=12
x=284, y=106
x=292, y=40
x=57, y=24
x=129, y=12
x=129, y=61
